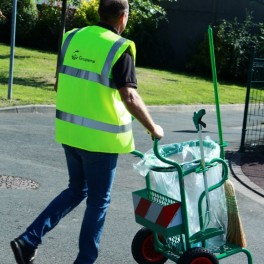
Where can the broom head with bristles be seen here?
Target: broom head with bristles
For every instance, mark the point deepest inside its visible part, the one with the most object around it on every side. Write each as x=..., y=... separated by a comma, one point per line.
x=235, y=233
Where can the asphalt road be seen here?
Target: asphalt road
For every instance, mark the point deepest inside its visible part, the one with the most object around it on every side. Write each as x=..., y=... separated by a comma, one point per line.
x=28, y=150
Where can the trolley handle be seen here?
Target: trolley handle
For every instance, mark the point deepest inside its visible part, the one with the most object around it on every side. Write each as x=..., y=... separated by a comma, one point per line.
x=160, y=157
x=138, y=154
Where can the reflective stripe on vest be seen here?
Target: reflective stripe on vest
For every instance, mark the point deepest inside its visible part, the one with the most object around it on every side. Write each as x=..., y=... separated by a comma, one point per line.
x=93, y=124
x=111, y=55
x=88, y=75
x=66, y=44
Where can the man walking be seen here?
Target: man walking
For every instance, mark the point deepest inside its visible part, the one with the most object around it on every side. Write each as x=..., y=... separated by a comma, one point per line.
x=96, y=96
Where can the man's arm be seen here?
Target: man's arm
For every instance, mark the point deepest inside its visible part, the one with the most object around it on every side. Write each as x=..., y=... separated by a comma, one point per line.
x=138, y=109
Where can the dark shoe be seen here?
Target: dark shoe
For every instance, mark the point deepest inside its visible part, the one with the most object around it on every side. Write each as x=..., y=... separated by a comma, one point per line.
x=24, y=254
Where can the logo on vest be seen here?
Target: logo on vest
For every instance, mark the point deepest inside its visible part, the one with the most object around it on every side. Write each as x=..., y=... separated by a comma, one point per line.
x=76, y=56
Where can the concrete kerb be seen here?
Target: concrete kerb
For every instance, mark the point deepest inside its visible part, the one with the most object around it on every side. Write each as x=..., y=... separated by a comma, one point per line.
x=242, y=188
x=241, y=177
x=28, y=109
x=193, y=108
x=152, y=108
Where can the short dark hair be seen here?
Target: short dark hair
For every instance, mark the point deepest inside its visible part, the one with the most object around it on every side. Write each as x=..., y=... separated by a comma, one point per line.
x=110, y=10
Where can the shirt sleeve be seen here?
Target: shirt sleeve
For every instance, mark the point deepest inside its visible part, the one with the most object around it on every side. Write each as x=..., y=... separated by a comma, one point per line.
x=124, y=73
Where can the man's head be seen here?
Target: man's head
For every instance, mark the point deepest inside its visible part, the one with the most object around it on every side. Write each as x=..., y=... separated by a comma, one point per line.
x=114, y=13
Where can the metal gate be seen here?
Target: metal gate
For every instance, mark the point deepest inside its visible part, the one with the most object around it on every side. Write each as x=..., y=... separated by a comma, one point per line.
x=253, y=123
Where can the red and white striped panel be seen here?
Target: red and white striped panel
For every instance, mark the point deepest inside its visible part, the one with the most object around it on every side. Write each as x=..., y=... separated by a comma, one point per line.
x=165, y=216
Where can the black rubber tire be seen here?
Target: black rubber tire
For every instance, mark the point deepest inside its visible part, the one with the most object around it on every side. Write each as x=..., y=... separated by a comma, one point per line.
x=198, y=255
x=142, y=248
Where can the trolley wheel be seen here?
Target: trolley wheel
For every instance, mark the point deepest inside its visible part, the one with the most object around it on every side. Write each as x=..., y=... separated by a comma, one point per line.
x=198, y=256
x=143, y=249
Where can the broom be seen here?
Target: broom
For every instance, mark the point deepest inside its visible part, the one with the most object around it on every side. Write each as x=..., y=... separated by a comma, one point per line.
x=235, y=233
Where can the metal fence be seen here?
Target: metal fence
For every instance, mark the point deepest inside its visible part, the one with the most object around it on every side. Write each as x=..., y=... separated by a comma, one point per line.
x=253, y=123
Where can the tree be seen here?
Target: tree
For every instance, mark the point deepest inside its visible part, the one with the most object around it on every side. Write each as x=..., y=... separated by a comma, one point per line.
x=26, y=19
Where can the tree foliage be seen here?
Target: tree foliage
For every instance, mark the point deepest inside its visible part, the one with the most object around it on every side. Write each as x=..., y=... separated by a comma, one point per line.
x=144, y=18
x=41, y=25
x=233, y=43
x=25, y=21
x=86, y=14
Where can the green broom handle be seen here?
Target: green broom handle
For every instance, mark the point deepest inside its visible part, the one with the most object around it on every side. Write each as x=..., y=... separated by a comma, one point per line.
x=212, y=56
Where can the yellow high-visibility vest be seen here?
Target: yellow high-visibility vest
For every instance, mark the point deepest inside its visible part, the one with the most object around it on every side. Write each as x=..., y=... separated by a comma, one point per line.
x=90, y=114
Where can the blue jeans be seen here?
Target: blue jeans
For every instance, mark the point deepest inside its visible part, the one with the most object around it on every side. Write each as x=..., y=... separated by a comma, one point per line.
x=91, y=175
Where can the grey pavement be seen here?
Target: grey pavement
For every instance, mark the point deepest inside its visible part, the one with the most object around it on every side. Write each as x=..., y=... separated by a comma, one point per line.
x=29, y=151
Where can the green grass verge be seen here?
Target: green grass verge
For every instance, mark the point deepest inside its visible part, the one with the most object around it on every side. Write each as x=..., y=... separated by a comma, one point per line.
x=34, y=76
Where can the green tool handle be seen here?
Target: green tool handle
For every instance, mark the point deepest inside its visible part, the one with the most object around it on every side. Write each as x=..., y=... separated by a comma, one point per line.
x=197, y=119
x=213, y=65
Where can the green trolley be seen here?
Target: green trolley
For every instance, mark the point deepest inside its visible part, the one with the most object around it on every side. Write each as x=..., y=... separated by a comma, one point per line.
x=166, y=221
